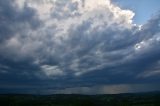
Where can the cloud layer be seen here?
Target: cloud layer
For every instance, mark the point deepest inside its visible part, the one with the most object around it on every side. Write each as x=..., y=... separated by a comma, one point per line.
x=66, y=43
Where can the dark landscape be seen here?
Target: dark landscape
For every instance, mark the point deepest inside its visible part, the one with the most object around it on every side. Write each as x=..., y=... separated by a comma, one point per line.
x=136, y=99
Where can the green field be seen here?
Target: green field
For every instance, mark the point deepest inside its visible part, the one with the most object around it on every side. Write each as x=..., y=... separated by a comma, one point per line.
x=138, y=99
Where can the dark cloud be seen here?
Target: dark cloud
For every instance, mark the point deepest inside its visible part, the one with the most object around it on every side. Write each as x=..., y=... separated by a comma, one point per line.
x=13, y=19
x=75, y=43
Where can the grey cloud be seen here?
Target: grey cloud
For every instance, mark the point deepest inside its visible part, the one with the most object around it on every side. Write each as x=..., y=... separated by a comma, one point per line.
x=76, y=45
x=13, y=20
x=65, y=9
x=103, y=89
x=109, y=89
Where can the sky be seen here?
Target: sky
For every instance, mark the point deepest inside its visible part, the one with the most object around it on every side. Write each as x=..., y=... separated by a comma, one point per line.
x=144, y=9
x=79, y=46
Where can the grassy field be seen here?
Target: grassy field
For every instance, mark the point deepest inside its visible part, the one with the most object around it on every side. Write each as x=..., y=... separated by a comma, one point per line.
x=138, y=99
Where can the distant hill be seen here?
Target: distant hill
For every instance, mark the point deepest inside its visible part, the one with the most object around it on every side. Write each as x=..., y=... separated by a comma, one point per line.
x=136, y=99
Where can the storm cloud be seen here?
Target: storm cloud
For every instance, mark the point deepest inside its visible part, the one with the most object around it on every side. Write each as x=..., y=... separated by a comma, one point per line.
x=75, y=43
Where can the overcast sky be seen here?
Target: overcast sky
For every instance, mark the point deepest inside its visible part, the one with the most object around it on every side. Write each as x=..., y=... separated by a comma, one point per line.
x=79, y=46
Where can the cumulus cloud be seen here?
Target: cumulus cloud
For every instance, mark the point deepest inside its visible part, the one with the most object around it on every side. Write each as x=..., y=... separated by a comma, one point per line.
x=81, y=42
